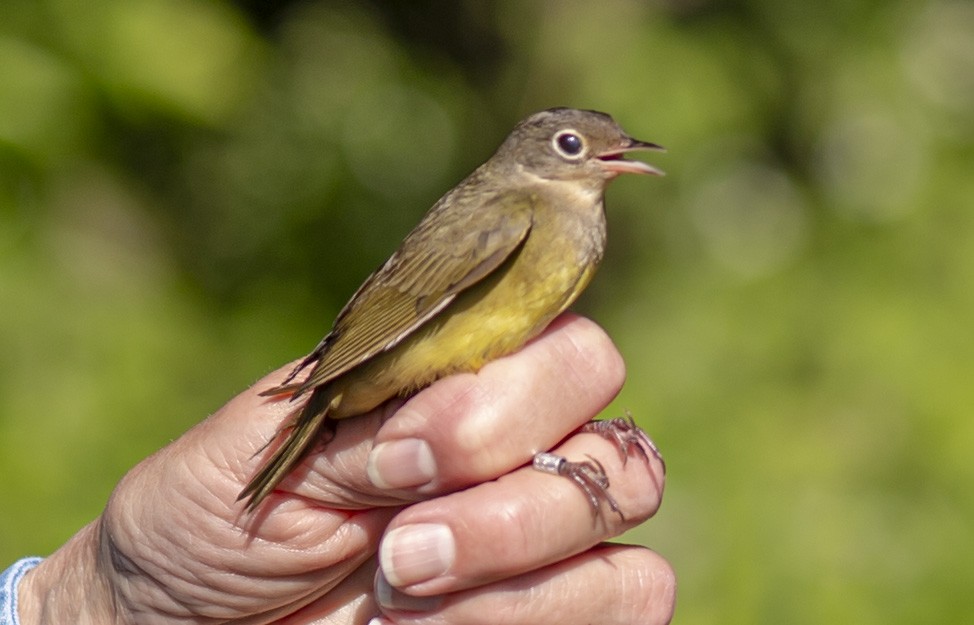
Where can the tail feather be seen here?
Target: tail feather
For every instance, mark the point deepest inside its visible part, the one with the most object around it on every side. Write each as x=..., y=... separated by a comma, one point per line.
x=298, y=440
x=283, y=389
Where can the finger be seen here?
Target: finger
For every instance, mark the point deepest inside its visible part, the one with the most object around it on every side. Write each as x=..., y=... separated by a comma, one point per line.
x=520, y=522
x=608, y=584
x=462, y=430
x=333, y=474
x=469, y=428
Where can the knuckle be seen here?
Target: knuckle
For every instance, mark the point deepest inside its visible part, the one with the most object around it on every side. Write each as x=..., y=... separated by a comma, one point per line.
x=652, y=595
x=597, y=354
x=649, y=495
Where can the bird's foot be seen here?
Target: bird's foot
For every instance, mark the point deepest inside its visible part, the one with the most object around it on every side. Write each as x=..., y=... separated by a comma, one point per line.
x=627, y=436
x=589, y=475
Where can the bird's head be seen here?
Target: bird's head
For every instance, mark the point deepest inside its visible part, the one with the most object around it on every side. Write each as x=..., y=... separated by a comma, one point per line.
x=573, y=144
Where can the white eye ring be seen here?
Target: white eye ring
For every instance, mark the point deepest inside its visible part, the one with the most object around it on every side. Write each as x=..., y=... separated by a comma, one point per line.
x=569, y=144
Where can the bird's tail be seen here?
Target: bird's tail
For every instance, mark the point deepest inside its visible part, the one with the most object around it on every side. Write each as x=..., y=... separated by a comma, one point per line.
x=299, y=437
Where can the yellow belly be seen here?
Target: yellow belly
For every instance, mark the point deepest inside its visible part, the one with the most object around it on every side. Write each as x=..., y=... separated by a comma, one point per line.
x=491, y=319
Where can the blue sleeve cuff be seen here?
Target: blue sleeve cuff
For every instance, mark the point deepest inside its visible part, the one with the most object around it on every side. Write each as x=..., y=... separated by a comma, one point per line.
x=9, y=580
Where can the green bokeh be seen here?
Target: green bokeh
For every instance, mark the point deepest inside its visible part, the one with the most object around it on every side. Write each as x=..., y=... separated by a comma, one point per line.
x=189, y=190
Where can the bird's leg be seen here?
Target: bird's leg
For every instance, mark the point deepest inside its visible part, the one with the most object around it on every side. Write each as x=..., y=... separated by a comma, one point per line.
x=627, y=436
x=589, y=475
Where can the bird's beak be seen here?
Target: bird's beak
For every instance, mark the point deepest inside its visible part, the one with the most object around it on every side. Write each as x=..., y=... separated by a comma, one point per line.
x=613, y=163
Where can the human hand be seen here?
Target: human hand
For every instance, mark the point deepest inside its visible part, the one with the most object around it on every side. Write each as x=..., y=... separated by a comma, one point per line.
x=490, y=540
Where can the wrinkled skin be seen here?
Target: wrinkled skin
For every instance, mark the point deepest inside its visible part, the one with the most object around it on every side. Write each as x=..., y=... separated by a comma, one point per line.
x=515, y=545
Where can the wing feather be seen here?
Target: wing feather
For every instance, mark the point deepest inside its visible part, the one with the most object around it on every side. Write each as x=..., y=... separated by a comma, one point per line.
x=440, y=258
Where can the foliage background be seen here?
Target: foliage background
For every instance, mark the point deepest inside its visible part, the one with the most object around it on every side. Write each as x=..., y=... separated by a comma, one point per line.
x=189, y=190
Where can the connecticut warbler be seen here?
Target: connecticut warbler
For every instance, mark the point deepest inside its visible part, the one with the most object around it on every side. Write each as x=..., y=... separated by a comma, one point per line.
x=489, y=266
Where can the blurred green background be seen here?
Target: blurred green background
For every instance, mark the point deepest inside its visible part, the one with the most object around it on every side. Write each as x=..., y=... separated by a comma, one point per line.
x=189, y=191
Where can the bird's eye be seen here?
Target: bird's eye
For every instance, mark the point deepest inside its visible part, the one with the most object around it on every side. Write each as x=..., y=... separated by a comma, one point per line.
x=569, y=143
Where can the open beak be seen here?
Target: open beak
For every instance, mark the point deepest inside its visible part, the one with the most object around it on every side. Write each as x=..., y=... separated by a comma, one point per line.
x=614, y=163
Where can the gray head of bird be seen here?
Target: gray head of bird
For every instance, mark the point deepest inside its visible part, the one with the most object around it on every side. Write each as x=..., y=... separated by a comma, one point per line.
x=573, y=144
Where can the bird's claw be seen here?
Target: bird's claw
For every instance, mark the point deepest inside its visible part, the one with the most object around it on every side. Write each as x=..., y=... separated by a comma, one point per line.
x=627, y=436
x=589, y=475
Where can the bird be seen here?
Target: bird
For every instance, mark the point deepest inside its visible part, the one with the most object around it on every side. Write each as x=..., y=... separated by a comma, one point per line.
x=488, y=267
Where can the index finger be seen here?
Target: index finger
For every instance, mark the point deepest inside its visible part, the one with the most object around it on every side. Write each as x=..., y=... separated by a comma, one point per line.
x=466, y=429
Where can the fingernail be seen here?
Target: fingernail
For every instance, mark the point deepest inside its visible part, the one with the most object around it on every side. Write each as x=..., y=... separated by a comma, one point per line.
x=391, y=599
x=400, y=464
x=415, y=553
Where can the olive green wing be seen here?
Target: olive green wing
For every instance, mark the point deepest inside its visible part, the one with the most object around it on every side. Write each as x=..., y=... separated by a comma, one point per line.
x=448, y=252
